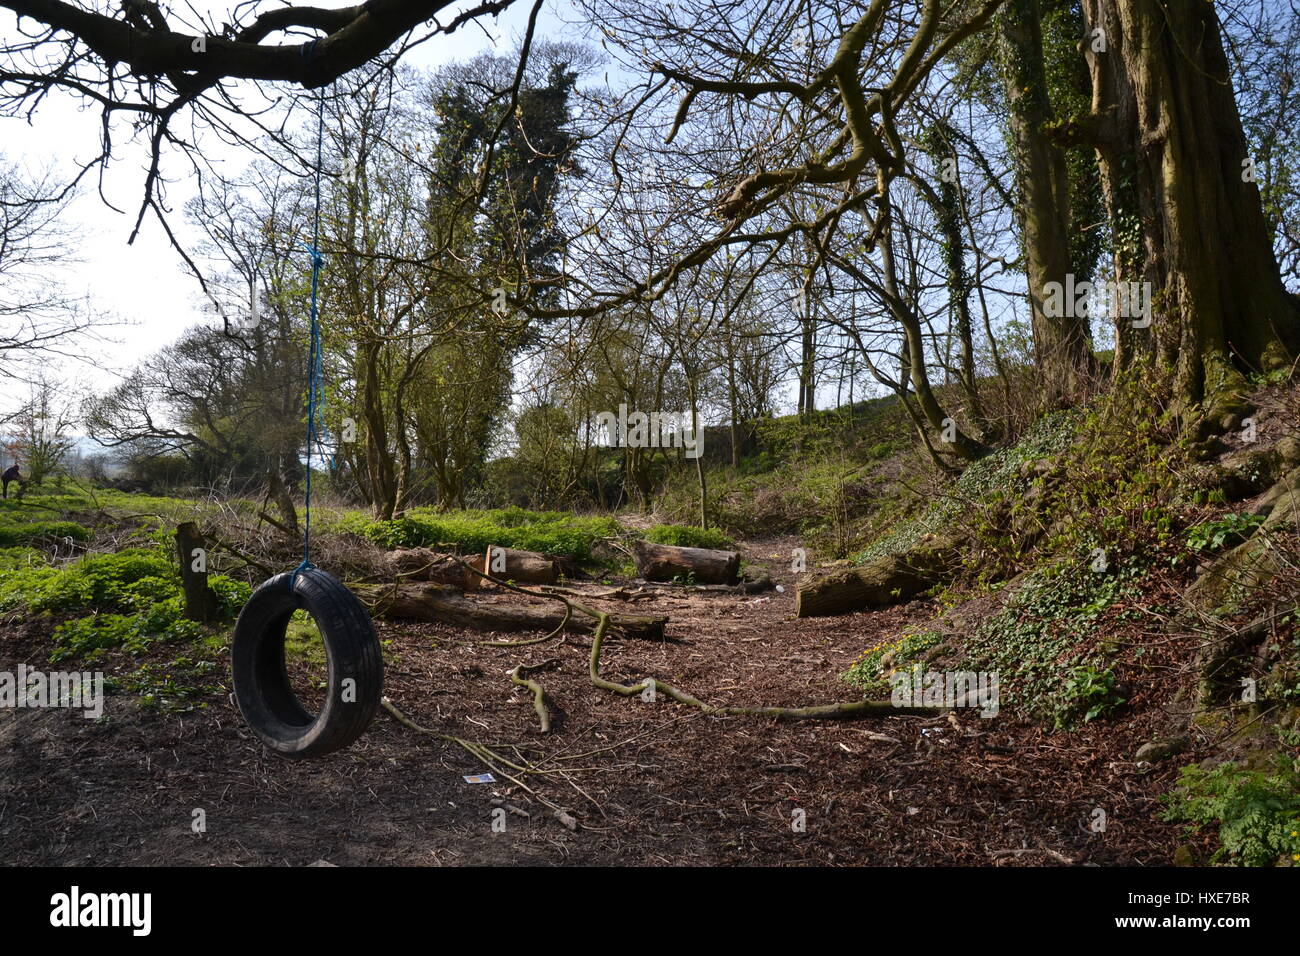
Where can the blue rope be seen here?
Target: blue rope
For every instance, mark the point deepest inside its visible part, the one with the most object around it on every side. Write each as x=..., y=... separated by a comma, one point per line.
x=315, y=369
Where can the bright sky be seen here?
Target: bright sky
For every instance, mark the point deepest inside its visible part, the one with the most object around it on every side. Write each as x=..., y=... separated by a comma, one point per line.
x=144, y=284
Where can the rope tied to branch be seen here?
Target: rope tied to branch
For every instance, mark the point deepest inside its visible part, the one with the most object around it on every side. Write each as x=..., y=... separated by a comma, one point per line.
x=315, y=366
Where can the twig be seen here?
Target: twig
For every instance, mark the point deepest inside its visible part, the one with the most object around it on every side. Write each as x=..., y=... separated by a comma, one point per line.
x=481, y=752
x=251, y=562
x=271, y=521
x=518, y=676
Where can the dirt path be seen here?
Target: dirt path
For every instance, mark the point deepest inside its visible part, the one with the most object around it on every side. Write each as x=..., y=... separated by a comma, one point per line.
x=646, y=783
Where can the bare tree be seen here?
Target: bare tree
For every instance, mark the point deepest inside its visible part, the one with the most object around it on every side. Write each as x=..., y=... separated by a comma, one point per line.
x=39, y=321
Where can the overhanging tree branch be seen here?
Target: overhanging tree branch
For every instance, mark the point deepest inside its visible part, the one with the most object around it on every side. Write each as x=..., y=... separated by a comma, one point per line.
x=147, y=46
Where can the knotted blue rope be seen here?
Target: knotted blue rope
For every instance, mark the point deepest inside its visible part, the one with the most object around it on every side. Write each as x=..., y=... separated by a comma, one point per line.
x=315, y=369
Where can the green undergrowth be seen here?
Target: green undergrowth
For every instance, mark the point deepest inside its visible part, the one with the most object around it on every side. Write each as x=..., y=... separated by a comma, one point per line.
x=1215, y=534
x=1117, y=487
x=997, y=474
x=687, y=536
x=1043, y=641
x=870, y=673
x=550, y=532
x=86, y=638
x=862, y=426
x=17, y=534
x=1080, y=528
x=128, y=601
x=1077, y=516
x=824, y=500
x=1256, y=810
x=816, y=477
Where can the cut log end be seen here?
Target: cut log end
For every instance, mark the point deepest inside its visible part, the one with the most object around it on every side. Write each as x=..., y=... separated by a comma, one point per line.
x=521, y=567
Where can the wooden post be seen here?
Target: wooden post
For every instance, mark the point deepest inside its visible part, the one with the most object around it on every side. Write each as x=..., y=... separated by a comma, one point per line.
x=200, y=602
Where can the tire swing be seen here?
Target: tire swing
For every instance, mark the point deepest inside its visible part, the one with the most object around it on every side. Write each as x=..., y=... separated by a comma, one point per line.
x=356, y=667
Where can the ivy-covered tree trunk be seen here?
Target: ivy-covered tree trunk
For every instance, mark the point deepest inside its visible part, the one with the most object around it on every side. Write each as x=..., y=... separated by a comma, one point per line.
x=1185, y=217
x=913, y=365
x=946, y=201
x=1062, y=343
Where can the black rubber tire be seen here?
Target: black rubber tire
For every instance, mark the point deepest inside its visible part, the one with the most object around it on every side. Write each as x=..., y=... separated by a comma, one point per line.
x=262, y=688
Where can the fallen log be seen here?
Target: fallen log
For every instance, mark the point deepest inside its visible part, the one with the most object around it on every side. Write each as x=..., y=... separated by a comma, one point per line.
x=522, y=567
x=435, y=602
x=664, y=562
x=425, y=564
x=889, y=580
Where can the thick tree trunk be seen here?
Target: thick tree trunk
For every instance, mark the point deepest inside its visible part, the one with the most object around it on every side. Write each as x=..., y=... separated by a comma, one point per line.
x=1172, y=152
x=1062, y=343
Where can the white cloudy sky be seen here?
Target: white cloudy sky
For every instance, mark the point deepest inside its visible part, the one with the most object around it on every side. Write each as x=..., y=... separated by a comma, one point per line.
x=144, y=284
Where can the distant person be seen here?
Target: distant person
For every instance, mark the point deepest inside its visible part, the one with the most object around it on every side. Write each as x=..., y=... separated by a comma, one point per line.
x=11, y=474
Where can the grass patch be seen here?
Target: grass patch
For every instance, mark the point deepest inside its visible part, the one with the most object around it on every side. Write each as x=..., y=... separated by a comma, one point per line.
x=17, y=535
x=303, y=642
x=128, y=581
x=132, y=599
x=86, y=638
